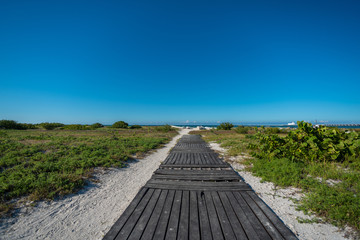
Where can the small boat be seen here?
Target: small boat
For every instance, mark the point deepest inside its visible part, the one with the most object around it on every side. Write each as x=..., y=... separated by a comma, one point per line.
x=292, y=124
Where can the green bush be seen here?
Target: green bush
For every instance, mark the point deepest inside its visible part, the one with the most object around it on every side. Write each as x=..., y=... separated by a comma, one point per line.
x=51, y=126
x=11, y=124
x=225, y=126
x=242, y=129
x=96, y=125
x=135, y=126
x=76, y=127
x=120, y=124
x=164, y=128
x=309, y=144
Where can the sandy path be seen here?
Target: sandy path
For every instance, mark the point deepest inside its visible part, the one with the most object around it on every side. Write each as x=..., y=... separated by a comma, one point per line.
x=90, y=213
x=279, y=201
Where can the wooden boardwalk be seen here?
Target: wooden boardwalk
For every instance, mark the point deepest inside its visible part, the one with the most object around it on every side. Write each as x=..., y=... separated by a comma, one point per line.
x=196, y=195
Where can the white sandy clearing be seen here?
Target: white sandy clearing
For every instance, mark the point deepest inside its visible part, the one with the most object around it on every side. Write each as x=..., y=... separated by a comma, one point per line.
x=90, y=213
x=279, y=200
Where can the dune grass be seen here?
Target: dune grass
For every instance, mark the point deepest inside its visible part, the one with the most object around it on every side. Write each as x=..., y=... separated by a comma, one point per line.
x=40, y=164
x=331, y=183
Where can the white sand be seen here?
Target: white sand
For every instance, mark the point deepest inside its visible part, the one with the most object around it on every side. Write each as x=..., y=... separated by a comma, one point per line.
x=90, y=213
x=279, y=200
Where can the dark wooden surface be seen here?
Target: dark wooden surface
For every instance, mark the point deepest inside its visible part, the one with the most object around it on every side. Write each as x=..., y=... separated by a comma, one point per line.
x=196, y=195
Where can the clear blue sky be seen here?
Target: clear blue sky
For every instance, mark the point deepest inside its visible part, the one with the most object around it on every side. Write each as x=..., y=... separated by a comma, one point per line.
x=173, y=61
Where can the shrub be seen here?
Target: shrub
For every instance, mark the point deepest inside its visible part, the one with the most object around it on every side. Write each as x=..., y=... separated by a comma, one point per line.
x=76, y=127
x=164, y=128
x=272, y=130
x=51, y=126
x=96, y=125
x=242, y=129
x=135, y=126
x=225, y=126
x=120, y=124
x=11, y=124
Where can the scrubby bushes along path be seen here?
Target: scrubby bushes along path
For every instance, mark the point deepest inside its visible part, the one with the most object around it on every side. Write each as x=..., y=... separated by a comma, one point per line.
x=44, y=164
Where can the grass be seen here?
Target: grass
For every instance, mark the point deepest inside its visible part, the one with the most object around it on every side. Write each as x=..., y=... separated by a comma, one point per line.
x=40, y=164
x=331, y=189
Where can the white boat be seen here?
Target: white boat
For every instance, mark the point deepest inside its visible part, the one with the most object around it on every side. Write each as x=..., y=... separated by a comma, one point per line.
x=292, y=124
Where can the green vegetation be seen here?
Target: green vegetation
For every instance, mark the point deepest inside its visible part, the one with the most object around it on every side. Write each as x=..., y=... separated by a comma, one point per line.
x=324, y=162
x=225, y=126
x=10, y=124
x=50, y=126
x=135, y=127
x=120, y=124
x=165, y=128
x=41, y=164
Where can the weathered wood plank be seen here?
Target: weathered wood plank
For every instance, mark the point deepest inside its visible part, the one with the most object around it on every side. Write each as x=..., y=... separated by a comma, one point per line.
x=165, y=215
x=197, y=178
x=234, y=222
x=286, y=233
x=194, y=225
x=128, y=227
x=183, y=232
x=239, y=212
x=172, y=229
x=255, y=223
x=205, y=228
x=223, y=219
x=145, y=216
x=155, y=216
x=269, y=226
x=214, y=220
x=195, y=172
x=113, y=232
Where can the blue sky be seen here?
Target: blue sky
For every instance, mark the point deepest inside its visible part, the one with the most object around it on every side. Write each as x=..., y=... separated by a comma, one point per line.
x=175, y=61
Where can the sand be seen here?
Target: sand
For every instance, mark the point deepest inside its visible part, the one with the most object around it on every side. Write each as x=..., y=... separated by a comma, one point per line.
x=279, y=200
x=90, y=213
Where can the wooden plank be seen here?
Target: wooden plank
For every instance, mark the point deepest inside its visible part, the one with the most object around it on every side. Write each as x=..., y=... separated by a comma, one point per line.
x=128, y=227
x=194, y=231
x=255, y=223
x=113, y=232
x=165, y=215
x=240, y=213
x=214, y=220
x=151, y=226
x=145, y=216
x=234, y=222
x=285, y=232
x=172, y=229
x=223, y=219
x=223, y=165
x=183, y=232
x=204, y=221
x=195, y=172
x=198, y=178
x=269, y=226
x=200, y=186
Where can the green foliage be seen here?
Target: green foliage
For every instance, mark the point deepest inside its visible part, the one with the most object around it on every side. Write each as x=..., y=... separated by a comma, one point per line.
x=51, y=126
x=165, y=128
x=10, y=124
x=120, y=124
x=96, y=125
x=225, y=126
x=76, y=127
x=308, y=144
x=44, y=165
x=135, y=127
x=242, y=129
x=324, y=162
